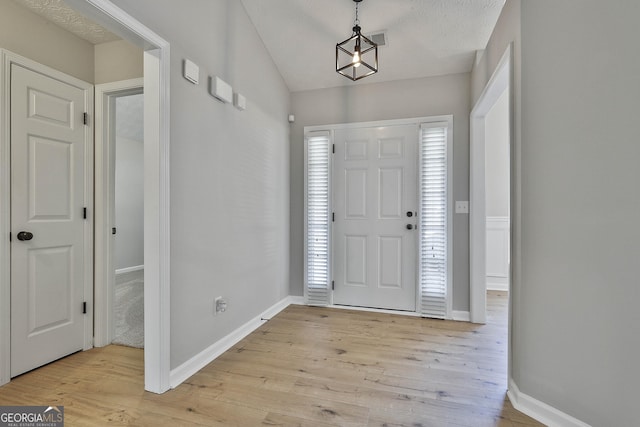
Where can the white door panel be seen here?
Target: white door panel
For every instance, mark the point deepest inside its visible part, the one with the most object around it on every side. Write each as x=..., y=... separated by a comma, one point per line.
x=374, y=188
x=47, y=200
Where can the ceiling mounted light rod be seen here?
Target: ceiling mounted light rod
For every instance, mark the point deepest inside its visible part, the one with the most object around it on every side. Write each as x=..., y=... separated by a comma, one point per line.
x=357, y=56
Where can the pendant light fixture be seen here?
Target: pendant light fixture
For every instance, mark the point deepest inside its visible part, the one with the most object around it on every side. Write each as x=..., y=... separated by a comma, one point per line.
x=357, y=56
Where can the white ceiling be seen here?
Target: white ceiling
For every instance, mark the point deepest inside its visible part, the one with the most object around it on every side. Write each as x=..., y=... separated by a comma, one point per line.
x=62, y=15
x=424, y=37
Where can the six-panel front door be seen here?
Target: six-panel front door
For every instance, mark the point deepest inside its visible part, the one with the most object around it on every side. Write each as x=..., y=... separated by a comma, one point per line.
x=375, y=207
x=47, y=200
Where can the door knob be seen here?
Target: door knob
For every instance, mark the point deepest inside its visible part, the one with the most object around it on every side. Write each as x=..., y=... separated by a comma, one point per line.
x=409, y=226
x=25, y=235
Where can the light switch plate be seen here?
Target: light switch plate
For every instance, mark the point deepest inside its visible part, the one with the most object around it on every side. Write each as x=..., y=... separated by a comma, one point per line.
x=462, y=207
x=191, y=72
x=221, y=89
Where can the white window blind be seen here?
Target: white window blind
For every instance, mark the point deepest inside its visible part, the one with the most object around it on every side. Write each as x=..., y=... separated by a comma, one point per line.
x=317, y=219
x=433, y=220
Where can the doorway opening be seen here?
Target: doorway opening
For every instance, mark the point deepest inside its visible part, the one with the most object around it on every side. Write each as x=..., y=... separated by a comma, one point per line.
x=492, y=197
x=497, y=197
x=156, y=193
x=484, y=118
x=378, y=222
x=119, y=277
x=157, y=263
x=47, y=258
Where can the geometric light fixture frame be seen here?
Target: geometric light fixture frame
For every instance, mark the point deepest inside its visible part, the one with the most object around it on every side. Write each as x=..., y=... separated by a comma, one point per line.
x=357, y=56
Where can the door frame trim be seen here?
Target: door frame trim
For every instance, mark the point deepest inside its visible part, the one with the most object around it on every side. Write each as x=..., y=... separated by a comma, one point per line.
x=7, y=59
x=448, y=118
x=157, y=72
x=500, y=81
x=104, y=219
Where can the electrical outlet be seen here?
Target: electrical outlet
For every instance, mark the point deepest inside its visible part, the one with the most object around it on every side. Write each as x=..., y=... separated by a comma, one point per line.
x=462, y=207
x=219, y=305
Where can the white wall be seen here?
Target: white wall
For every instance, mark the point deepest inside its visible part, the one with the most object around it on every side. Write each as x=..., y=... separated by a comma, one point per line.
x=497, y=193
x=381, y=101
x=129, y=182
x=229, y=172
x=27, y=34
x=497, y=158
x=577, y=241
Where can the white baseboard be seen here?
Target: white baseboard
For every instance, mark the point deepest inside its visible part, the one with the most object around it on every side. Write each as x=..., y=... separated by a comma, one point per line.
x=202, y=359
x=296, y=300
x=376, y=310
x=497, y=284
x=129, y=274
x=129, y=269
x=461, y=316
x=547, y=415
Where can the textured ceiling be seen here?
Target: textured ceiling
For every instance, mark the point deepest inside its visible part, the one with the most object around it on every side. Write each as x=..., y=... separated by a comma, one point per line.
x=62, y=15
x=424, y=37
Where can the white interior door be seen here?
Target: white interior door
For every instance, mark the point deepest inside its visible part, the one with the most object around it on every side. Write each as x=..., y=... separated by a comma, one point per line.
x=375, y=205
x=47, y=201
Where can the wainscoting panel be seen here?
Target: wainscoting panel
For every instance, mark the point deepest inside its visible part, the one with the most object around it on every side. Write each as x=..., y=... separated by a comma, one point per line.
x=498, y=253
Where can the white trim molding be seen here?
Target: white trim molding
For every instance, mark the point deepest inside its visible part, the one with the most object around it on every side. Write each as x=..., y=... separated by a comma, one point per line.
x=446, y=120
x=296, y=300
x=129, y=269
x=208, y=355
x=498, y=83
x=461, y=316
x=157, y=260
x=8, y=58
x=104, y=204
x=498, y=241
x=5, y=223
x=546, y=414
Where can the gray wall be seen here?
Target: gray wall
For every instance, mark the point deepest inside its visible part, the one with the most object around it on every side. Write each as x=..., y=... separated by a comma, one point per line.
x=382, y=101
x=129, y=182
x=497, y=158
x=27, y=34
x=229, y=172
x=576, y=291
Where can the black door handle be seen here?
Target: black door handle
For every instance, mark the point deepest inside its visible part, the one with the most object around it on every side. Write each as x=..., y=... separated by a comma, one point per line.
x=25, y=235
x=409, y=226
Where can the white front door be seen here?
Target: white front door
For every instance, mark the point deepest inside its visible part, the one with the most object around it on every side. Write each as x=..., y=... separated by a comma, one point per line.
x=47, y=225
x=375, y=203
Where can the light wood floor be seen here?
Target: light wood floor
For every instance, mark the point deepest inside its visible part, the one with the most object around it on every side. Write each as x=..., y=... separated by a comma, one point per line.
x=305, y=367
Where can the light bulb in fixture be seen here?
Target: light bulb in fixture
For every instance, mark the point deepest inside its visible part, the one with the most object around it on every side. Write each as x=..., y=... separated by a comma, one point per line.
x=362, y=59
x=356, y=51
x=356, y=59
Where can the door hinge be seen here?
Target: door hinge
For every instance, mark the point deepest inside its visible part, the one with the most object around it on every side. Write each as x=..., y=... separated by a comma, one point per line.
x=84, y=213
x=84, y=307
x=113, y=230
x=333, y=285
x=9, y=236
x=85, y=118
x=333, y=217
x=333, y=149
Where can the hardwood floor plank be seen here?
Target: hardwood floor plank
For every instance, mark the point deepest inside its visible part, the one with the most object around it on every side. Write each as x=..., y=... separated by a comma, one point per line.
x=308, y=366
